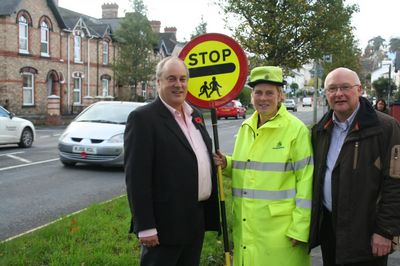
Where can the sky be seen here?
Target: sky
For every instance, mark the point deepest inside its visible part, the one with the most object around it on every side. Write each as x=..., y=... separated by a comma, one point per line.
x=375, y=17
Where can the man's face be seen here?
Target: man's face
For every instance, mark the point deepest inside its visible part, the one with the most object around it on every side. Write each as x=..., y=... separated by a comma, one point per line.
x=343, y=103
x=172, y=87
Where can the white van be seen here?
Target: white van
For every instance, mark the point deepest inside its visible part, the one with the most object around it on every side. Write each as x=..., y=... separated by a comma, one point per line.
x=307, y=101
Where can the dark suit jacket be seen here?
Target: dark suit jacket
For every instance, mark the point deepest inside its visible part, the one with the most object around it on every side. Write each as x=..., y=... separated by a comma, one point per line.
x=162, y=175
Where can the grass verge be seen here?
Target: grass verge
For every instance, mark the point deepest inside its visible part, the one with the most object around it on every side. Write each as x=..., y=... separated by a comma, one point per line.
x=98, y=236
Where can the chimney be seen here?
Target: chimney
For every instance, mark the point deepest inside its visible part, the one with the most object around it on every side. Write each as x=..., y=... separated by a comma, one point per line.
x=170, y=30
x=155, y=26
x=110, y=10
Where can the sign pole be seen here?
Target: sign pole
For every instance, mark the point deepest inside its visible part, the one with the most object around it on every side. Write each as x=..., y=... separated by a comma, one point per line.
x=221, y=189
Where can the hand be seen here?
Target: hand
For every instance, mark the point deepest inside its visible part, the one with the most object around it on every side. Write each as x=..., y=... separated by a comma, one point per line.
x=295, y=242
x=150, y=241
x=219, y=159
x=381, y=246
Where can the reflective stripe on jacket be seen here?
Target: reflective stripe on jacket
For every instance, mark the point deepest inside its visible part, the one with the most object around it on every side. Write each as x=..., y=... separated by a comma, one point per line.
x=271, y=170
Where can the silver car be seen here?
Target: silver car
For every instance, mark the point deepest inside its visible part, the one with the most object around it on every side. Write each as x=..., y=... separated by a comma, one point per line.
x=290, y=105
x=15, y=130
x=96, y=136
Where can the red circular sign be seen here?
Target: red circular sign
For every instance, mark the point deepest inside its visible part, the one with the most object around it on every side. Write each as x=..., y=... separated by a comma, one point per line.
x=218, y=69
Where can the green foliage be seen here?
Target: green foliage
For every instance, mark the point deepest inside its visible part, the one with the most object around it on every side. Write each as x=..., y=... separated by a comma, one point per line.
x=397, y=95
x=244, y=96
x=311, y=82
x=288, y=33
x=99, y=236
x=344, y=54
x=294, y=86
x=381, y=87
x=200, y=29
x=377, y=42
x=394, y=45
x=300, y=93
x=137, y=41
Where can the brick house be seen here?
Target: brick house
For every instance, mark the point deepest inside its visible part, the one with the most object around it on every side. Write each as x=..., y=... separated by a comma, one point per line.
x=54, y=61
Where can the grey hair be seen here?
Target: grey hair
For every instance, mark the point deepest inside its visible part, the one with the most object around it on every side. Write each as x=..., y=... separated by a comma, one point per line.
x=161, y=64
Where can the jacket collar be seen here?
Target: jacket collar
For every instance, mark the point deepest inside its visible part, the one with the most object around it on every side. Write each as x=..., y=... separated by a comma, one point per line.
x=365, y=117
x=253, y=120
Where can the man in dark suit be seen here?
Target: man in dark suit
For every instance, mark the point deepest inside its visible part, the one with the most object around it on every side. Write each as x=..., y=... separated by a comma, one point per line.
x=170, y=177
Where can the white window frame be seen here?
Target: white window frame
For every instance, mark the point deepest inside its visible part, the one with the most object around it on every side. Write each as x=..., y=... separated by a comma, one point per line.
x=78, y=90
x=105, y=53
x=105, y=88
x=23, y=34
x=44, y=32
x=144, y=90
x=77, y=48
x=28, y=89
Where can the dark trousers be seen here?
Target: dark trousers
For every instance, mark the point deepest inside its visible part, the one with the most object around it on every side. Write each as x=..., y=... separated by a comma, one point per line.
x=176, y=255
x=328, y=245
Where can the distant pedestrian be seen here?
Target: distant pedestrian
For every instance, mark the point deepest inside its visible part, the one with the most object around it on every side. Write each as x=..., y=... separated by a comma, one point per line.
x=381, y=106
x=6, y=105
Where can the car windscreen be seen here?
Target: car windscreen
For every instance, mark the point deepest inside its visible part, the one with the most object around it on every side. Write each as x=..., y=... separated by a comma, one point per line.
x=113, y=114
x=229, y=104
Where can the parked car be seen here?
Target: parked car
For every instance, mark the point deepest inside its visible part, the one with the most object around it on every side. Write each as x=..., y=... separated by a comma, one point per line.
x=307, y=101
x=15, y=130
x=290, y=105
x=233, y=109
x=96, y=136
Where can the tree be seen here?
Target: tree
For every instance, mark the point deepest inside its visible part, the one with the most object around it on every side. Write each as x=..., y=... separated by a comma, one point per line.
x=200, y=29
x=373, y=48
x=244, y=96
x=287, y=33
x=376, y=43
x=381, y=87
x=394, y=45
x=137, y=41
x=345, y=54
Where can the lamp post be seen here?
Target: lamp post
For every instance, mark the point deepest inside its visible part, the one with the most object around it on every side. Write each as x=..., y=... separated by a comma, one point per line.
x=389, y=87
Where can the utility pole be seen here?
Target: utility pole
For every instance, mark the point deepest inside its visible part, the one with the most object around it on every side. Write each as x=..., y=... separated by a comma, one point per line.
x=389, y=87
x=315, y=91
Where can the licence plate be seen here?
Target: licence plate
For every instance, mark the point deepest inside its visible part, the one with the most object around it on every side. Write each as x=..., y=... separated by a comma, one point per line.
x=225, y=109
x=88, y=150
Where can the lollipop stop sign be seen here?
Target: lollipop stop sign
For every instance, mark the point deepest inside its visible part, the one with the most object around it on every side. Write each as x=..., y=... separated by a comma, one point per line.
x=218, y=69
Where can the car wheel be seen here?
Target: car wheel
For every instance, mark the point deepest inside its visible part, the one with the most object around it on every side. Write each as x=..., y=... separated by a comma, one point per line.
x=226, y=117
x=294, y=110
x=303, y=105
x=237, y=115
x=244, y=115
x=219, y=117
x=26, y=138
x=68, y=164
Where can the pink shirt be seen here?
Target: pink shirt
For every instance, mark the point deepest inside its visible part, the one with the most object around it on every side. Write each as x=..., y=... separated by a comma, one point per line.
x=193, y=136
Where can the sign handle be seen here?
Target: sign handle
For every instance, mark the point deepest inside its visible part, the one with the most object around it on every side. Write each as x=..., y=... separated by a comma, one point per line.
x=221, y=189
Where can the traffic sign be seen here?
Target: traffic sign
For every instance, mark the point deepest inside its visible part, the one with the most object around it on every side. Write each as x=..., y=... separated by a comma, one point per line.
x=218, y=69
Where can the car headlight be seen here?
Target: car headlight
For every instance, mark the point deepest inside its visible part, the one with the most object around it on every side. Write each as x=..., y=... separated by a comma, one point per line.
x=63, y=136
x=117, y=139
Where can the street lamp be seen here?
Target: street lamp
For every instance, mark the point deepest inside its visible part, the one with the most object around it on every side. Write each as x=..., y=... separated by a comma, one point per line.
x=389, y=87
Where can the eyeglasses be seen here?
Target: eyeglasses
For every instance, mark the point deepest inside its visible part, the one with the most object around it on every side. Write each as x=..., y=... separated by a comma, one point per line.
x=344, y=88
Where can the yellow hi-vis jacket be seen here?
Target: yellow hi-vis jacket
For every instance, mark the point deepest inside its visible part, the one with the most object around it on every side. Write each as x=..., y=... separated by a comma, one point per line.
x=271, y=169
